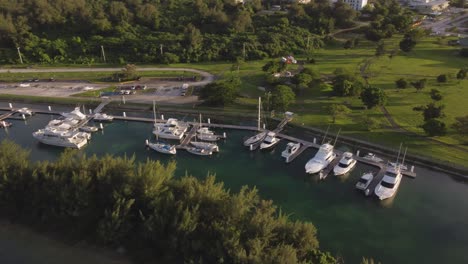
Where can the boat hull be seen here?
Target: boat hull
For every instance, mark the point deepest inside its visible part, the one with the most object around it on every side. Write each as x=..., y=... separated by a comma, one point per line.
x=78, y=144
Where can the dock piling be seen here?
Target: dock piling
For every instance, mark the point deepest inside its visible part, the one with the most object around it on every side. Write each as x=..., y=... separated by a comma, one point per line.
x=251, y=147
x=50, y=108
x=101, y=126
x=11, y=106
x=124, y=114
x=315, y=141
x=162, y=117
x=224, y=134
x=23, y=116
x=209, y=121
x=147, y=142
x=357, y=152
x=90, y=111
x=412, y=168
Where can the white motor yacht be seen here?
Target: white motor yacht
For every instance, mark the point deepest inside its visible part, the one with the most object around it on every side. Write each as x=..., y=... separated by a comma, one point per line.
x=205, y=145
x=346, y=164
x=364, y=181
x=208, y=137
x=103, y=117
x=163, y=148
x=291, y=148
x=388, y=186
x=204, y=130
x=172, y=123
x=199, y=151
x=168, y=133
x=75, y=114
x=321, y=159
x=25, y=111
x=270, y=141
x=60, y=138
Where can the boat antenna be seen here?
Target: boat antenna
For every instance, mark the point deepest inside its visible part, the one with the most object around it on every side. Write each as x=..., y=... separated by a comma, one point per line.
x=154, y=111
x=399, y=150
x=336, y=138
x=326, y=132
x=200, y=119
x=259, y=111
x=404, y=156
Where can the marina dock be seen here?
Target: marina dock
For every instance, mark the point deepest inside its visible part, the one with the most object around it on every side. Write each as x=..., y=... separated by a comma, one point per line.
x=196, y=125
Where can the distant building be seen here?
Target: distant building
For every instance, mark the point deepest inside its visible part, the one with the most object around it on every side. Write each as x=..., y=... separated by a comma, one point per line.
x=428, y=6
x=356, y=4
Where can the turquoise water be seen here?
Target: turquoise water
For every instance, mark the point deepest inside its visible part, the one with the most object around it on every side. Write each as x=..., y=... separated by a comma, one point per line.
x=427, y=222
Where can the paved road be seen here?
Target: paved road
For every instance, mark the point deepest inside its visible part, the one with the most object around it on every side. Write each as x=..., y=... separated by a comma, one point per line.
x=207, y=77
x=442, y=25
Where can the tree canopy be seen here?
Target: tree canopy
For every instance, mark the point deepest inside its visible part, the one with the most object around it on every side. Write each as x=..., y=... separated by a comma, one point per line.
x=141, y=206
x=373, y=96
x=221, y=93
x=281, y=97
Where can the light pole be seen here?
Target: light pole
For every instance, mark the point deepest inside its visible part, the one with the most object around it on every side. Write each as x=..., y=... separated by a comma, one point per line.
x=19, y=55
x=103, y=54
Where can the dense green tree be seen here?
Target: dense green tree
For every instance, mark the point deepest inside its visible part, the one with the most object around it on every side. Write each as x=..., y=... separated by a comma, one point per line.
x=337, y=110
x=461, y=124
x=434, y=127
x=419, y=85
x=462, y=73
x=401, y=83
x=432, y=111
x=373, y=96
x=464, y=52
x=221, y=93
x=443, y=78
x=282, y=97
x=407, y=44
x=380, y=49
x=436, y=95
x=346, y=83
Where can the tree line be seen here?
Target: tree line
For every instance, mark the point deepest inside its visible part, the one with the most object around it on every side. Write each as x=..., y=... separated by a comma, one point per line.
x=157, y=31
x=143, y=208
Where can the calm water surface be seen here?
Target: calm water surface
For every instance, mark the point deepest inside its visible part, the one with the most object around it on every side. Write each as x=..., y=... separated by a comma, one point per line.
x=427, y=222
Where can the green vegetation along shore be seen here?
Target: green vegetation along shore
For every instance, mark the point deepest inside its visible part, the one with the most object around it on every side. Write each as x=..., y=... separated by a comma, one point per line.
x=142, y=208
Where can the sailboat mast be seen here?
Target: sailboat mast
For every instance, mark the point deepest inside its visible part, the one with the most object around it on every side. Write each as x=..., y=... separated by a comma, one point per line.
x=399, y=150
x=404, y=156
x=154, y=111
x=337, y=137
x=259, y=106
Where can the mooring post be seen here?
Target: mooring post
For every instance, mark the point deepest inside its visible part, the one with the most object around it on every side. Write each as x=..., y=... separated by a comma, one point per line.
x=11, y=106
x=23, y=116
x=90, y=111
x=50, y=108
x=357, y=152
x=209, y=121
x=224, y=134
x=124, y=114
x=315, y=141
x=412, y=168
x=146, y=142
x=101, y=126
x=162, y=117
x=251, y=147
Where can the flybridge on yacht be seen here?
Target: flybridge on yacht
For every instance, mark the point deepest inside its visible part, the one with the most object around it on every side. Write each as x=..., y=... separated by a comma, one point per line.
x=346, y=164
x=75, y=114
x=270, y=141
x=291, y=148
x=172, y=123
x=70, y=139
x=321, y=159
x=389, y=184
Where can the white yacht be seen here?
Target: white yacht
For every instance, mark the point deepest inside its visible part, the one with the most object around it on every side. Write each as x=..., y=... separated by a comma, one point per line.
x=172, y=123
x=321, y=159
x=208, y=137
x=163, y=148
x=372, y=157
x=346, y=164
x=291, y=148
x=255, y=139
x=388, y=186
x=168, y=133
x=205, y=145
x=61, y=138
x=205, y=130
x=270, y=141
x=25, y=111
x=103, y=117
x=62, y=124
x=364, y=181
x=89, y=129
x=75, y=114
x=199, y=151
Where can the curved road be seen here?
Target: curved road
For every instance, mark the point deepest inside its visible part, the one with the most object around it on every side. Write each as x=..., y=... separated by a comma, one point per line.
x=207, y=77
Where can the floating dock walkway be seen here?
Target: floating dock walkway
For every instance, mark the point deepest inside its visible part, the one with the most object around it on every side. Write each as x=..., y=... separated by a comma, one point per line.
x=195, y=126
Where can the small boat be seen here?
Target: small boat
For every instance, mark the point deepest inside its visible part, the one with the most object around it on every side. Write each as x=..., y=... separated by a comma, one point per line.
x=205, y=145
x=84, y=135
x=321, y=159
x=103, y=117
x=364, y=181
x=270, y=141
x=5, y=124
x=204, y=130
x=402, y=167
x=208, y=137
x=346, y=164
x=89, y=129
x=291, y=148
x=168, y=133
x=200, y=151
x=255, y=139
x=75, y=114
x=163, y=148
x=25, y=111
x=372, y=157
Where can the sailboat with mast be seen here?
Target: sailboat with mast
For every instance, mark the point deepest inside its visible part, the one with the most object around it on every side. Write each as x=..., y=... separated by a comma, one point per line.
x=158, y=146
x=255, y=139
